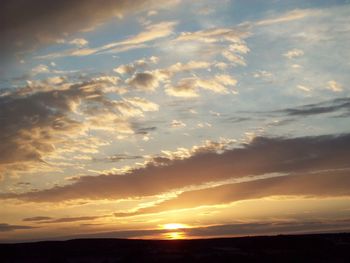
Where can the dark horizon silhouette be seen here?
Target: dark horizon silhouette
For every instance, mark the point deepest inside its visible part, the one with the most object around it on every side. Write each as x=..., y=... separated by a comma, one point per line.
x=282, y=248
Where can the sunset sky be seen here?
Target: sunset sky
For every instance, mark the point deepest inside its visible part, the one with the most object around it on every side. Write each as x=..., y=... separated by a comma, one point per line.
x=173, y=118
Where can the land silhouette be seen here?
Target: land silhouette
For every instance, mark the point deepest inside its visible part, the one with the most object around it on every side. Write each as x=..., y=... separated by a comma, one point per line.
x=282, y=248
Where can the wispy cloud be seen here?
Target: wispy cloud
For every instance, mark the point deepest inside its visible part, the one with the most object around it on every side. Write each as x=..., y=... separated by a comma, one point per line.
x=261, y=156
x=288, y=17
x=340, y=106
x=150, y=33
x=24, y=27
x=7, y=227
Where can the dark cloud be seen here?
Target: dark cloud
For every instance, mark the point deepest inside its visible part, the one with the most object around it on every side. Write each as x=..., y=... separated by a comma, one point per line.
x=145, y=130
x=339, y=105
x=119, y=157
x=69, y=219
x=237, y=229
x=261, y=156
x=323, y=184
x=37, y=118
x=233, y=229
x=270, y=228
x=237, y=119
x=28, y=24
x=6, y=227
x=36, y=218
x=145, y=81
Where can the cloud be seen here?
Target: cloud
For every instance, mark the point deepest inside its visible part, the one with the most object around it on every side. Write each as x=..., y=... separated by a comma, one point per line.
x=334, y=86
x=125, y=69
x=304, y=88
x=6, y=227
x=177, y=124
x=143, y=130
x=143, y=104
x=268, y=227
x=203, y=165
x=24, y=27
x=214, y=35
x=40, y=69
x=189, y=87
x=331, y=183
x=36, y=218
x=69, y=219
x=144, y=81
x=293, y=15
x=185, y=88
x=132, y=67
x=41, y=121
x=79, y=42
x=150, y=33
x=189, y=66
x=263, y=74
x=214, y=42
x=294, y=53
x=339, y=105
x=120, y=157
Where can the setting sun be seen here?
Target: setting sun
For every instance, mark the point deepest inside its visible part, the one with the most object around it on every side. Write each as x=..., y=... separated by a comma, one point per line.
x=174, y=226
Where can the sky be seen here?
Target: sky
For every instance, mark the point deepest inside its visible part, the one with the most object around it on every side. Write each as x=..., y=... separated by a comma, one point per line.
x=173, y=119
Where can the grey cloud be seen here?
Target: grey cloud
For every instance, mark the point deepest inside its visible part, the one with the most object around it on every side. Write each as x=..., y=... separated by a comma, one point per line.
x=69, y=219
x=31, y=119
x=36, y=218
x=38, y=117
x=144, y=81
x=232, y=229
x=339, y=105
x=146, y=130
x=6, y=227
x=120, y=157
x=237, y=119
x=270, y=228
x=260, y=156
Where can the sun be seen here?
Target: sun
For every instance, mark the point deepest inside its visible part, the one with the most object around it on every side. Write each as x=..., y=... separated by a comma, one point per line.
x=174, y=231
x=174, y=226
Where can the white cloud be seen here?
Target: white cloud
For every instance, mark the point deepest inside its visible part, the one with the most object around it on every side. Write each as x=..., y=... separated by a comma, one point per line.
x=40, y=69
x=304, y=88
x=294, y=53
x=189, y=87
x=287, y=17
x=334, y=86
x=143, y=104
x=150, y=33
x=79, y=42
x=177, y=124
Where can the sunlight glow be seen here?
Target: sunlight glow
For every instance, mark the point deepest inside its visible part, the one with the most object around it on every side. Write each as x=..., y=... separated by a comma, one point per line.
x=174, y=226
x=175, y=235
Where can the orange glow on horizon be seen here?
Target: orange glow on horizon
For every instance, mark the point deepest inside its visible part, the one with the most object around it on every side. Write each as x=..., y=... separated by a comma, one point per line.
x=175, y=235
x=174, y=226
